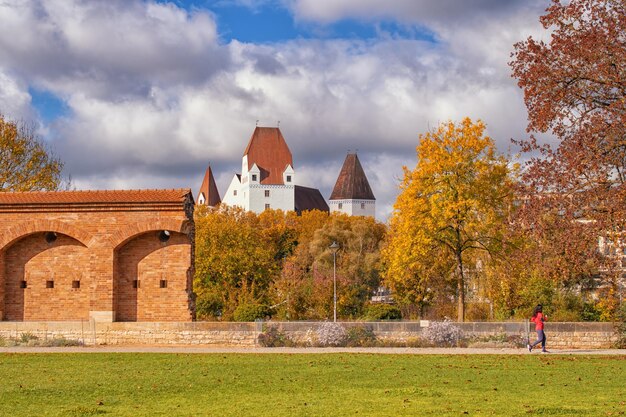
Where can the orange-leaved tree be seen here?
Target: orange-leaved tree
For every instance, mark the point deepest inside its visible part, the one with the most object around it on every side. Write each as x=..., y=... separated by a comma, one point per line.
x=235, y=262
x=453, y=203
x=25, y=162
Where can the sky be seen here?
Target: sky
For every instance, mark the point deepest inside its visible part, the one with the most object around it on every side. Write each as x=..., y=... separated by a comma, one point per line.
x=146, y=94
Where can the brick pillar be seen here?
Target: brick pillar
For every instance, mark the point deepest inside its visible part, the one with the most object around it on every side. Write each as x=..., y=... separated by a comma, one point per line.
x=2, y=279
x=101, y=274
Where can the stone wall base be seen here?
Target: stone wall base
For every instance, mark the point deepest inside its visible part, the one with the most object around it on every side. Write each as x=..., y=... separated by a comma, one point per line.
x=225, y=334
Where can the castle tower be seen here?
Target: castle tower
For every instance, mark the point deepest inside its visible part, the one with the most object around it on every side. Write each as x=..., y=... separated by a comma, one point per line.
x=267, y=179
x=352, y=194
x=208, y=194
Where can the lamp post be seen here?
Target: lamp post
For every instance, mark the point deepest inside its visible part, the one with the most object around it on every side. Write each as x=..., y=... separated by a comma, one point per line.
x=334, y=247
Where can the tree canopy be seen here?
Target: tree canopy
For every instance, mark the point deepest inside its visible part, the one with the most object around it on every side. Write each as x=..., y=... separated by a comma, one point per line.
x=26, y=164
x=575, y=89
x=279, y=264
x=453, y=203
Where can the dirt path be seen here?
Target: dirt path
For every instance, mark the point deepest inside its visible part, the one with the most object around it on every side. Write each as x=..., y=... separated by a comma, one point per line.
x=387, y=351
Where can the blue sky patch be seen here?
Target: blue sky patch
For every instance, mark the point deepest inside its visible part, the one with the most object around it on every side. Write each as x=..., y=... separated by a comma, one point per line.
x=48, y=105
x=272, y=23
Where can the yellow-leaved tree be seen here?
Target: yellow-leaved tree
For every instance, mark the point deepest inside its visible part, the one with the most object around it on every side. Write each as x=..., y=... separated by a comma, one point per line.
x=25, y=162
x=452, y=206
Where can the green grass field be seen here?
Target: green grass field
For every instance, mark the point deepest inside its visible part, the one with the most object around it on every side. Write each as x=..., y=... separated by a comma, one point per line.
x=128, y=384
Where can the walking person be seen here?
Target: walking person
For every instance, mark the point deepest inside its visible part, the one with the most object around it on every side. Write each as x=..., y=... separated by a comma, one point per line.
x=539, y=318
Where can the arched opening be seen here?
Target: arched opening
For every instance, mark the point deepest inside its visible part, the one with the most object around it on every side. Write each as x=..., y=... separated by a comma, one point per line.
x=40, y=271
x=150, y=280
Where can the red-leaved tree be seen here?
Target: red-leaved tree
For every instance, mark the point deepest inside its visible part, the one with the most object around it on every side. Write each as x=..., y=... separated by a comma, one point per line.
x=575, y=89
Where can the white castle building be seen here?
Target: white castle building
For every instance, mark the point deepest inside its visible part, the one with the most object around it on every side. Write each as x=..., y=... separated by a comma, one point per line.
x=267, y=181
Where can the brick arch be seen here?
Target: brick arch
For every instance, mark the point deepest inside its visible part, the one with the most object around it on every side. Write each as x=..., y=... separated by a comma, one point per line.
x=128, y=232
x=27, y=228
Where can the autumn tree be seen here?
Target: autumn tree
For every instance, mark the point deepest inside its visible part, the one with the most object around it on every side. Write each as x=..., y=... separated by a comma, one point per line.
x=305, y=291
x=297, y=291
x=575, y=89
x=26, y=164
x=235, y=262
x=453, y=204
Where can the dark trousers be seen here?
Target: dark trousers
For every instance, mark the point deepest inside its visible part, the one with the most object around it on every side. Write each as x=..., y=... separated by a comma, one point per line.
x=541, y=338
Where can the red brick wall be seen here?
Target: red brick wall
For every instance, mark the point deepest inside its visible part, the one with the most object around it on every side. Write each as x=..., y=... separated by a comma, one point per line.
x=35, y=261
x=148, y=260
x=93, y=245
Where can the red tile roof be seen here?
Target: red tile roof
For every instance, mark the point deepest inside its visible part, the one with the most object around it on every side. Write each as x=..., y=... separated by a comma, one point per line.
x=209, y=189
x=269, y=151
x=94, y=197
x=352, y=183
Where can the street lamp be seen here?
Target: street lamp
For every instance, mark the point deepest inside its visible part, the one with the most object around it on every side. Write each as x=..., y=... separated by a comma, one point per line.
x=334, y=247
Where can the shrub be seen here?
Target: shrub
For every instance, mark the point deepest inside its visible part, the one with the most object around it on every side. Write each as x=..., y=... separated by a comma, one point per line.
x=590, y=312
x=3, y=341
x=376, y=312
x=250, y=312
x=331, y=334
x=27, y=338
x=272, y=337
x=478, y=312
x=209, y=307
x=443, y=333
x=499, y=340
x=63, y=342
x=360, y=336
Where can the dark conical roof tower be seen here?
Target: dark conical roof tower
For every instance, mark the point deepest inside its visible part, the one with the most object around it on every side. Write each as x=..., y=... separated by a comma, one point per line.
x=208, y=193
x=352, y=183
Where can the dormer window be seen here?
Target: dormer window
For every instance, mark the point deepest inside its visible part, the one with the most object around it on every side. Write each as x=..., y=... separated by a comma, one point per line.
x=234, y=192
x=253, y=177
x=288, y=178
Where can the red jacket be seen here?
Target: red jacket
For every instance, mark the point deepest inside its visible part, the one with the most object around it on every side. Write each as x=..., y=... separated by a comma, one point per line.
x=539, y=319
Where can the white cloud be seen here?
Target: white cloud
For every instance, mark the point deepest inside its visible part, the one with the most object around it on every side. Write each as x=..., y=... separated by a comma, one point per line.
x=423, y=11
x=14, y=98
x=153, y=97
x=107, y=49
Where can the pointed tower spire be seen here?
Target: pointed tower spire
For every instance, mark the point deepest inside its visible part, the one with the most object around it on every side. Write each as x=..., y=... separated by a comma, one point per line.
x=352, y=193
x=208, y=194
x=352, y=182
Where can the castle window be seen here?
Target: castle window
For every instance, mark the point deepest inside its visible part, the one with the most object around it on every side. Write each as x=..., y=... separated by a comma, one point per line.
x=267, y=206
x=75, y=284
x=49, y=284
x=163, y=283
x=234, y=192
x=267, y=193
x=253, y=177
x=340, y=206
x=362, y=206
x=288, y=178
x=23, y=284
x=135, y=283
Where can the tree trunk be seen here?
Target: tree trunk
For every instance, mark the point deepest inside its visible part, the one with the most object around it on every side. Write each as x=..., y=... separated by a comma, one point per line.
x=460, y=287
